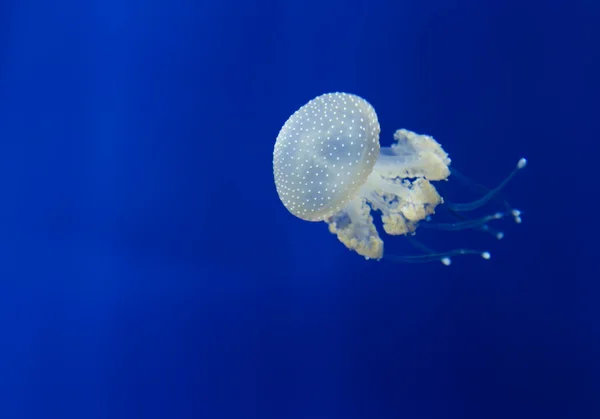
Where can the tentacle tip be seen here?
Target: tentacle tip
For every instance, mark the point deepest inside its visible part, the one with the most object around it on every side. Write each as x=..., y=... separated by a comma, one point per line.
x=498, y=215
x=522, y=163
x=499, y=235
x=446, y=261
x=486, y=255
x=517, y=216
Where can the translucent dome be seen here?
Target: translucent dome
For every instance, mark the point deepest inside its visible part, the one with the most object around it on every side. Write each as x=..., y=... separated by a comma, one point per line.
x=324, y=154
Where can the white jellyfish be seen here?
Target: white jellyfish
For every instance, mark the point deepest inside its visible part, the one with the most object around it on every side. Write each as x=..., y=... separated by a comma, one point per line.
x=328, y=166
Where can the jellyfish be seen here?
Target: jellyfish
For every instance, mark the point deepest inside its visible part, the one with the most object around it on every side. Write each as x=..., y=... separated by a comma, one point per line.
x=328, y=166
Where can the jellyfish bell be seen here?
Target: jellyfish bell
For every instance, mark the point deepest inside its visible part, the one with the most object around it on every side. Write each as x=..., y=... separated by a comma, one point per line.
x=324, y=154
x=328, y=166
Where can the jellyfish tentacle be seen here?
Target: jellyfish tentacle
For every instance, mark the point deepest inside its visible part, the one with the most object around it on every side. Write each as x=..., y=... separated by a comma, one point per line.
x=431, y=255
x=476, y=223
x=485, y=228
x=489, y=194
x=445, y=259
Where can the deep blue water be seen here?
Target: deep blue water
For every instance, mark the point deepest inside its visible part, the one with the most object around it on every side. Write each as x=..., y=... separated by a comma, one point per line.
x=149, y=270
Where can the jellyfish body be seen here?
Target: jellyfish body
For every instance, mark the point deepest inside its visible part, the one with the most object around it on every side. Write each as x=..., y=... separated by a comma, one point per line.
x=328, y=166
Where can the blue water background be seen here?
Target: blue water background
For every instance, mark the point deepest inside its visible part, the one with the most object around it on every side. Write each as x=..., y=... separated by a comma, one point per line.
x=149, y=270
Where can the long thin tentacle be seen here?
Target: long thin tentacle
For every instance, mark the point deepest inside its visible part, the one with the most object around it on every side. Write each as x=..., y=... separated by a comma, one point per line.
x=488, y=193
x=465, y=224
x=432, y=256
